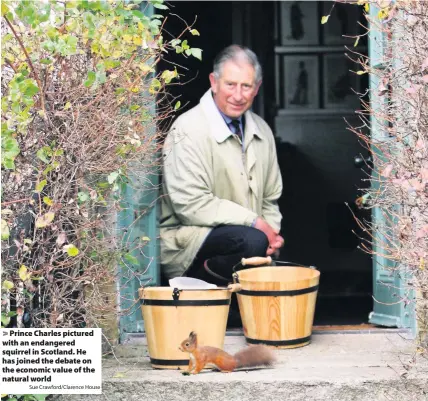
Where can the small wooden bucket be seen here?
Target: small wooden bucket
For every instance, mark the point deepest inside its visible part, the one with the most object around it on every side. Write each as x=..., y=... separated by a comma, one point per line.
x=170, y=315
x=277, y=303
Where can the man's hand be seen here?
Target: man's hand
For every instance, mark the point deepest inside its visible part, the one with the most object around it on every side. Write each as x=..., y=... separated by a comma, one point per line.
x=263, y=226
x=274, y=248
x=275, y=240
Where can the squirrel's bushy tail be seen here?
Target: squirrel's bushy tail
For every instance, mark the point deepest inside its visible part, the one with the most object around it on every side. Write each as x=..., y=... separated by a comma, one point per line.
x=254, y=355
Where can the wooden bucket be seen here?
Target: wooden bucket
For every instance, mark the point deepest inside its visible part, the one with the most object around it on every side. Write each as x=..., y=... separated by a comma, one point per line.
x=170, y=315
x=277, y=303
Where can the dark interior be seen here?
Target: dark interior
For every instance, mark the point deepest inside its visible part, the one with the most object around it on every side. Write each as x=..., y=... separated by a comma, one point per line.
x=317, y=231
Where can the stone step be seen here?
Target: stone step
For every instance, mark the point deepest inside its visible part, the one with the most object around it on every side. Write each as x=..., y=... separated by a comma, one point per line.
x=335, y=366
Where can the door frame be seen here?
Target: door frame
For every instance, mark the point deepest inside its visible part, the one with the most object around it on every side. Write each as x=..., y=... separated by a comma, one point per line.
x=389, y=288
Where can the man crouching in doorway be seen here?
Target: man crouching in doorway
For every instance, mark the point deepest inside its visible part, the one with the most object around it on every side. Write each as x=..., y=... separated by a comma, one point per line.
x=221, y=179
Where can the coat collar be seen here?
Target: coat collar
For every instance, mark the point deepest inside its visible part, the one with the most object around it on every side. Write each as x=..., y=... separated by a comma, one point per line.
x=218, y=126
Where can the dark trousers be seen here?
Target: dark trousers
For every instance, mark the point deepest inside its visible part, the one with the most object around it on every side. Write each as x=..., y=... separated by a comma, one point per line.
x=223, y=249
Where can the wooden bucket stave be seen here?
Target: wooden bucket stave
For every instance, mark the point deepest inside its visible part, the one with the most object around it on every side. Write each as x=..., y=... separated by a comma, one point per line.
x=170, y=315
x=277, y=304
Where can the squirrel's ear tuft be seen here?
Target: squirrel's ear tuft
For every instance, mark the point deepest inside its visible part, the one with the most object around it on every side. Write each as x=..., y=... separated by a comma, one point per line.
x=192, y=336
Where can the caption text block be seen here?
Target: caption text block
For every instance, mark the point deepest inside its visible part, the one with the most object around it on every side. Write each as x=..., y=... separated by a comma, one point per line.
x=50, y=361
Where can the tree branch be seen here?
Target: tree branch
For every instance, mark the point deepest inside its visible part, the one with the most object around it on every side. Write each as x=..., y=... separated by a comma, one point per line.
x=30, y=63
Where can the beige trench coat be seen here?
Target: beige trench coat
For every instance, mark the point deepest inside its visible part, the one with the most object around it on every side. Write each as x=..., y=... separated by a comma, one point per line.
x=208, y=180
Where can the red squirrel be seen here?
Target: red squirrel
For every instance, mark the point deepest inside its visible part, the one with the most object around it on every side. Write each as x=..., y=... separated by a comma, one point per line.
x=256, y=355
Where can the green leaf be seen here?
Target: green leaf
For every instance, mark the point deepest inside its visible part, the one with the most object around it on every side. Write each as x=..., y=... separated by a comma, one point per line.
x=138, y=14
x=91, y=79
x=31, y=89
x=7, y=37
x=40, y=186
x=47, y=201
x=5, y=320
x=131, y=259
x=197, y=53
x=145, y=238
x=195, y=32
x=23, y=273
x=9, y=147
x=160, y=6
x=112, y=177
x=356, y=41
x=5, y=233
x=155, y=86
x=9, y=164
x=4, y=8
x=324, y=19
x=83, y=196
x=177, y=105
x=58, y=152
x=45, y=61
x=40, y=397
x=155, y=23
x=7, y=285
x=45, y=220
x=44, y=153
x=169, y=75
x=383, y=13
x=71, y=42
x=361, y=72
x=175, y=42
x=50, y=168
x=71, y=250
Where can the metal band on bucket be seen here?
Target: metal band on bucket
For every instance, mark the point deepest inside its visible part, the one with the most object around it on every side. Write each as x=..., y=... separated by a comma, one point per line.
x=283, y=293
x=169, y=362
x=199, y=302
x=279, y=343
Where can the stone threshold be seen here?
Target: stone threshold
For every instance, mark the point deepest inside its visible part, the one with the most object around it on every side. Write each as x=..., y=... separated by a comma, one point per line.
x=345, y=366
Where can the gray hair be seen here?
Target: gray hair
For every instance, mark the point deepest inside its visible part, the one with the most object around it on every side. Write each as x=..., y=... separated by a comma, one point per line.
x=237, y=53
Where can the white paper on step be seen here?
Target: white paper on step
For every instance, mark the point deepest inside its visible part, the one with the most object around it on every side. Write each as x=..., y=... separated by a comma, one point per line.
x=189, y=283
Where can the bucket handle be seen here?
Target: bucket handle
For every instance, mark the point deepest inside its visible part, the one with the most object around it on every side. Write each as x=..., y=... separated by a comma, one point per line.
x=295, y=264
x=256, y=261
x=259, y=260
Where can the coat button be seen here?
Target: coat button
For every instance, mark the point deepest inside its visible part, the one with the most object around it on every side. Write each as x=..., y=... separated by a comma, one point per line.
x=251, y=177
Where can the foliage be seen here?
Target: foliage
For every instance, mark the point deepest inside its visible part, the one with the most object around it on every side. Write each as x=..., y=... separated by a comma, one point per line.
x=81, y=86
x=397, y=118
x=24, y=397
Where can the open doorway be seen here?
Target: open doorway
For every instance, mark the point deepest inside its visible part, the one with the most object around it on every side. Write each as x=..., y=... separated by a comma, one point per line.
x=315, y=151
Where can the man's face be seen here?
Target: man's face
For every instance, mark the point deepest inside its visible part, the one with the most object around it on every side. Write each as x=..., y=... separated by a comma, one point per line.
x=236, y=88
